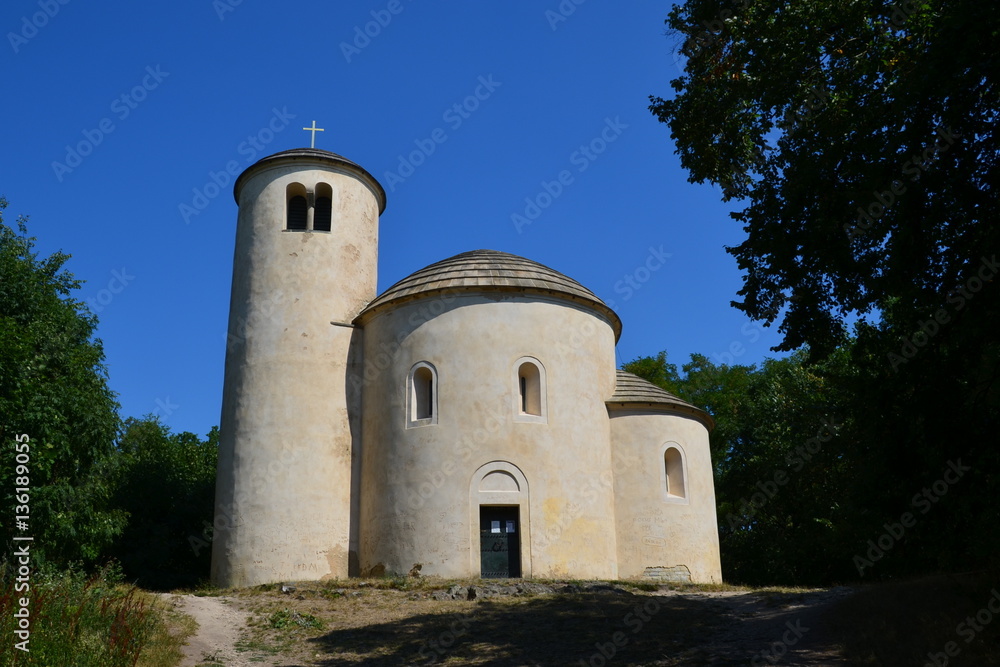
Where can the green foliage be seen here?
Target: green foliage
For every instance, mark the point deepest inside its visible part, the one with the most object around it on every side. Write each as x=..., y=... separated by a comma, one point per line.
x=53, y=387
x=166, y=483
x=810, y=111
x=76, y=621
x=145, y=497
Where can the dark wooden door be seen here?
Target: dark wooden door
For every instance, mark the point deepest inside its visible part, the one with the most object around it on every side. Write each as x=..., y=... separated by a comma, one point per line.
x=500, y=541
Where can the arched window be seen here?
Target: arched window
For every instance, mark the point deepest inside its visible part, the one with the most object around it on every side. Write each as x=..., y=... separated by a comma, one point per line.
x=529, y=390
x=422, y=395
x=673, y=465
x=324, y=208
x=529, y=385
x=297, y=212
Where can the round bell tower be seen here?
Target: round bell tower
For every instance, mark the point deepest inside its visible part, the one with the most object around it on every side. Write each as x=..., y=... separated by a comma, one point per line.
x=305, y=265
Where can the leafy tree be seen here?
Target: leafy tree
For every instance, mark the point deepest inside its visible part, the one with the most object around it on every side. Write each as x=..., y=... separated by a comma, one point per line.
x=860, y=140
x=862, y=136
x=54, y=388
x=166, y=483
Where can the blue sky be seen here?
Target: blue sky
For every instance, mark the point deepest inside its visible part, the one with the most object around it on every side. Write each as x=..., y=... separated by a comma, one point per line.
x=120, y=114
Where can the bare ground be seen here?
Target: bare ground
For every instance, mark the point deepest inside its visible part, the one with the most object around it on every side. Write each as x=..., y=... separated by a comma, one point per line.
x=555, y=623
x=220, y=624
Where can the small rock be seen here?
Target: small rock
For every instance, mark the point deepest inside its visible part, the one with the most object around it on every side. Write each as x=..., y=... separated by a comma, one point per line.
x=458, y=593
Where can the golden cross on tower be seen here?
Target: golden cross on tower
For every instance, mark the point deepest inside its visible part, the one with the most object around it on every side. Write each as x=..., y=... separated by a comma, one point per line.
x=314, y=130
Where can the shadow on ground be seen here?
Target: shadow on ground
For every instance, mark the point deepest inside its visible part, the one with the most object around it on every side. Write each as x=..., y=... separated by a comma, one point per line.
x=613, y=628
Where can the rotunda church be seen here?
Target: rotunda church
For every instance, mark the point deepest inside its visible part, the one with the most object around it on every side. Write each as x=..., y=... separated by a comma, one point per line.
x=469, y=421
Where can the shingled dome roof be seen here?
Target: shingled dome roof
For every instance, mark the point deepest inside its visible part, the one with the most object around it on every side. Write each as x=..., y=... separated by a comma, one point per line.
x=632, y=391
x=489, y=271
x=297, y=155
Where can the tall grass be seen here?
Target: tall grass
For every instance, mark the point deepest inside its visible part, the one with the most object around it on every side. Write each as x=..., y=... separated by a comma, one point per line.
x=77, y=620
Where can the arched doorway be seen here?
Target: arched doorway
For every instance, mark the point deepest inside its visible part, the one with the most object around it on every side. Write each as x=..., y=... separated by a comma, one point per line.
x=500, y=521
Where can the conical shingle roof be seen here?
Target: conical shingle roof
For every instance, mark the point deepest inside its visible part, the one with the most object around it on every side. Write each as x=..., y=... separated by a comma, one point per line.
x=489, y=271
x=632, y=391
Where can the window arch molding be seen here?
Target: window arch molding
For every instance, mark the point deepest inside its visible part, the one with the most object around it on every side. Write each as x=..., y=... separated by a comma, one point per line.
x=422, y=395
x=529, y=391
x=674, y=479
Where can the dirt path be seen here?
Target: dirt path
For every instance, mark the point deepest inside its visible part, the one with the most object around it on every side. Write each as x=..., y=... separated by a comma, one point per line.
x=220, y=623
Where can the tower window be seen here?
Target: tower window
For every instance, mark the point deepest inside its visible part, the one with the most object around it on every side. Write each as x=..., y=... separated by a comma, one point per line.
x=422, y=395
x=308, y=210
x=324, y=208
x=297, y=213
x=529, y=389
x=673, y=463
